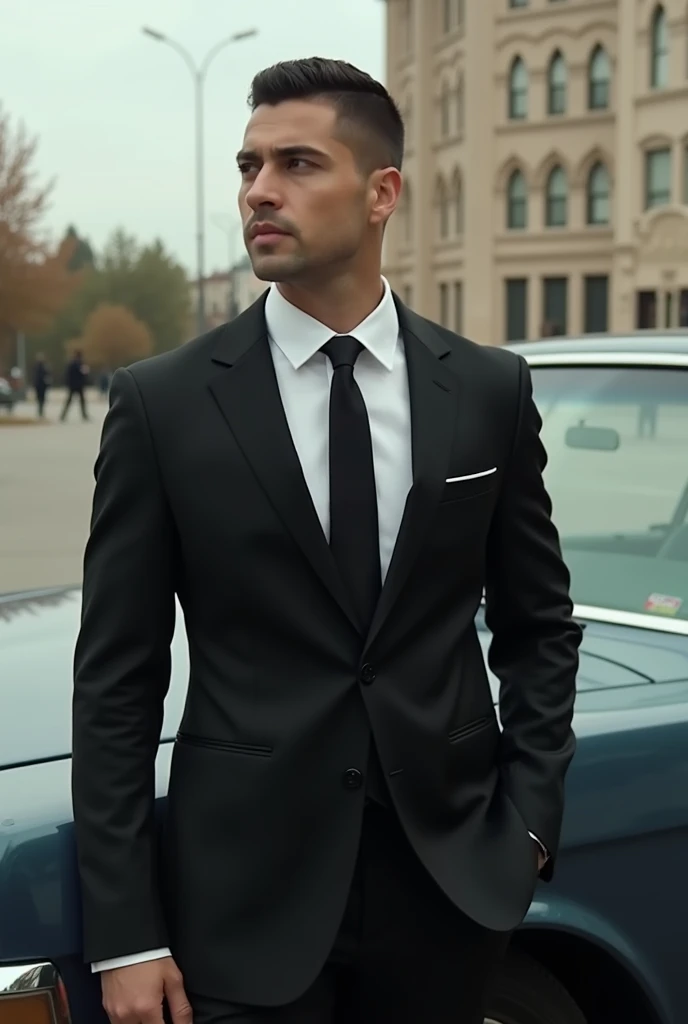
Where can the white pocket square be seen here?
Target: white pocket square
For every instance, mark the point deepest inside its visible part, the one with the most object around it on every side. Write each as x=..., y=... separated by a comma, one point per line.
x=471, y=476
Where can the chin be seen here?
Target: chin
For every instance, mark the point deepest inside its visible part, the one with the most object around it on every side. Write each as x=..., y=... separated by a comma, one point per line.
x=275, y=268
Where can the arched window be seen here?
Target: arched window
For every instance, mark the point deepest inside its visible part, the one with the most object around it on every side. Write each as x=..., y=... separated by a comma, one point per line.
x=443, y=217
x=599, y=194
x=518, y=90
x=659, y=56
x=406, y=213
x=599, y=79
x=460, y=107
x=557, y=199
x=517, y=202
x=457, y=198
x=445, y=111
x=557, y=79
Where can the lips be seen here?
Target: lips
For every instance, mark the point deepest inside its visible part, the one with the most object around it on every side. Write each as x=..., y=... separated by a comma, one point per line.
x=268, y=232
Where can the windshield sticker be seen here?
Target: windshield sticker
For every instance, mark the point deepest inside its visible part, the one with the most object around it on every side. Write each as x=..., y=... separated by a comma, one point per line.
x=662, y=604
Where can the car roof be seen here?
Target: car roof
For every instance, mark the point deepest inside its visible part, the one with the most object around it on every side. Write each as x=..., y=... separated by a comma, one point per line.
x=638, y=343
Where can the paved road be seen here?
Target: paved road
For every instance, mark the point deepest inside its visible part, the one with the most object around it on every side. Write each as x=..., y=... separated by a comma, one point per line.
x=46, y=487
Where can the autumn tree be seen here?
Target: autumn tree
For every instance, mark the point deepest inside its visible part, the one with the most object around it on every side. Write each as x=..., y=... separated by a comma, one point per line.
x=35, y=281
x=113, y=337
x=145, y=279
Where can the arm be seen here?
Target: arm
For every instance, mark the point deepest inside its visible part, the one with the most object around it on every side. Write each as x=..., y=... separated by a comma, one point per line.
x=122, y=671
x=534, y=651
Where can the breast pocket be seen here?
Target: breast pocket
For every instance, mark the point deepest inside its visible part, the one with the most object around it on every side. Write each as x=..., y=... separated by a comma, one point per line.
x=469, y=485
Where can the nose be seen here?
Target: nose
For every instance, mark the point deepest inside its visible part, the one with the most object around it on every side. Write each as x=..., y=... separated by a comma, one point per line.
x=263, y=191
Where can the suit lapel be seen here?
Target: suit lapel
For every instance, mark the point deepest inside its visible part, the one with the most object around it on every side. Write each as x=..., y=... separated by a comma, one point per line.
x=248, y=396
x=433, y=398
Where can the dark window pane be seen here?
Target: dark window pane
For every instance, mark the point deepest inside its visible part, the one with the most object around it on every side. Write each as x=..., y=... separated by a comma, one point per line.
x=646, y=310
x=518, y=91
x=596, y=304
x=516, y=309
x=600, y=75
x=557, y=86
x=598, y=195
x=458, y=307
x=683, y=308
x=517, y=201
x=657, y=177
x=555, y=310
x=444, y=305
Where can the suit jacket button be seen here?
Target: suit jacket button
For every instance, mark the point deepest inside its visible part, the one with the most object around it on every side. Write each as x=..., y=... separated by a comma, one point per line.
x=352, y=778
x=367, y=674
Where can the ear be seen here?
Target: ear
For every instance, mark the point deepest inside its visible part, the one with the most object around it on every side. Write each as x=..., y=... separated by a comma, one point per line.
x=385, y=189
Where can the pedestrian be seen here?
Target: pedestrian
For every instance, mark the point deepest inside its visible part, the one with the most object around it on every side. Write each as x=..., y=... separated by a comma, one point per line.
x=327, y=484
x=76, y=378
x=104, y=382
x=41, y=383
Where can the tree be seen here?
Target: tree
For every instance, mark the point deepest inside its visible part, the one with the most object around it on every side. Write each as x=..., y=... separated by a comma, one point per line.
x=114, y=337
x=144, y=279
x=35, y=281
x=149, y=282
x=83, y=253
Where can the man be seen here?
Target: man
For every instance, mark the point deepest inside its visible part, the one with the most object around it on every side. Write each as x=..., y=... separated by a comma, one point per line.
x=327, y=483
x=76, y=376
x=41, y=383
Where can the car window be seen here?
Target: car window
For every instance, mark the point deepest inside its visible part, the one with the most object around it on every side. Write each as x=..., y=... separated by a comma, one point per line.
x=617, y=445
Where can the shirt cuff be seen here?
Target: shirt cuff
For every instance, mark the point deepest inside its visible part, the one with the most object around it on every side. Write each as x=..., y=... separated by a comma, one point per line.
x=542, y=846
x=129, y=960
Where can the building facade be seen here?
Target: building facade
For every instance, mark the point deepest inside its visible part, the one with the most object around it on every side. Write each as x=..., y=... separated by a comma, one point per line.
x=227, y=293
x=546, y=178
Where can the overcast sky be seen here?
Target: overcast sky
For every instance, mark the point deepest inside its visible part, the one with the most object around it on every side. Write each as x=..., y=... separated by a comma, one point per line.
x=113, y=112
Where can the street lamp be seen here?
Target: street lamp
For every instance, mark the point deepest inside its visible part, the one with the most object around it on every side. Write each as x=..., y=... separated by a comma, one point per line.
x=198, y=74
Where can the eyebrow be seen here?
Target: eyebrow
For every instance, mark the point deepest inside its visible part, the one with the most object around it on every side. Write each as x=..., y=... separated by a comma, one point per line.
x=251, y=156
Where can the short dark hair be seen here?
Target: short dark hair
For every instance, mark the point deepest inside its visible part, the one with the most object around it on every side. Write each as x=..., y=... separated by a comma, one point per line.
x=358, y=99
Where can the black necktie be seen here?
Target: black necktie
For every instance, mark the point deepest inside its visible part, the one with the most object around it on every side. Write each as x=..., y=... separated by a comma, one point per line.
x=354, y=534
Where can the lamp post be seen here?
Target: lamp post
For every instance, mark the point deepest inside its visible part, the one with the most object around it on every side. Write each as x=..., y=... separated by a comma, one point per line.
x=198, y=74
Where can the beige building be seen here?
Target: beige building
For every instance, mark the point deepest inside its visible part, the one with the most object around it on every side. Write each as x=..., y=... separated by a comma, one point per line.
x=227, y=294
x=547, y=167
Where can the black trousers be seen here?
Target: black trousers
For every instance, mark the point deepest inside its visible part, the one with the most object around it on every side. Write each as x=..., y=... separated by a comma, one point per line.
x=82, y=401
x=404, y=953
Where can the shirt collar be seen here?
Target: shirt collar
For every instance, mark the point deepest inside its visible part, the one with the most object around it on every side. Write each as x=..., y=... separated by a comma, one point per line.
x=300, y=336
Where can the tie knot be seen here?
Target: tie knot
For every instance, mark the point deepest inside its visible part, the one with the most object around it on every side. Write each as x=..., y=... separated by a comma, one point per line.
x=342, y=350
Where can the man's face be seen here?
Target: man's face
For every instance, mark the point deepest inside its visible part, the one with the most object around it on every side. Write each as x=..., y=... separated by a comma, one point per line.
x=304, y=202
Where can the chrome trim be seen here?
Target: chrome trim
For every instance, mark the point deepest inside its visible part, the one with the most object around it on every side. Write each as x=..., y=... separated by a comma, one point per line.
x=21, y=981
x=616, y=617
x=678, y=359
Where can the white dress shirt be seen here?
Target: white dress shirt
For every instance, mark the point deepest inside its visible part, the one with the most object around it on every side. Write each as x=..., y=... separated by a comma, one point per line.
x=304, y=375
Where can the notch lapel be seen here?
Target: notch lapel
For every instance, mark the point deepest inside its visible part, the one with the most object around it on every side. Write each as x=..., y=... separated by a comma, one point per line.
x=248, y=395
x=434, y=403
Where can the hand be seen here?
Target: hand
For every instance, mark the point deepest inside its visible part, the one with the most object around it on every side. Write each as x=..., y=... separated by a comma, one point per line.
x=134, y=995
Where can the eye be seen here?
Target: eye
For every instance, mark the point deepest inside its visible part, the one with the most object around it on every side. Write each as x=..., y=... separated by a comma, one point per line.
x=244, y=168
x=298, y=163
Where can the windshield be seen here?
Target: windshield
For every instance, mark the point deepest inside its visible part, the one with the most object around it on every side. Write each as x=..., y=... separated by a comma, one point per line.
x=617, y=444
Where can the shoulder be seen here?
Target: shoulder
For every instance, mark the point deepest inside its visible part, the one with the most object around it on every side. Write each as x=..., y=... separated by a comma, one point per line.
x=492, y=365
x=166, y=367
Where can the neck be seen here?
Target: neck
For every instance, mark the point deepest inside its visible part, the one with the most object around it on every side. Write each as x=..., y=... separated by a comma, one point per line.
x=341, y=305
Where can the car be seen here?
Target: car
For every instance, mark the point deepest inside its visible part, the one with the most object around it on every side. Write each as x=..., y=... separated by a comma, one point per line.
x=605, y=941
x=8, y=395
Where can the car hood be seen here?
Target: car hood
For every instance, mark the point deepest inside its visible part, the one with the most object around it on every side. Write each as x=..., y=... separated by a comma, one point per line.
x=38, y=632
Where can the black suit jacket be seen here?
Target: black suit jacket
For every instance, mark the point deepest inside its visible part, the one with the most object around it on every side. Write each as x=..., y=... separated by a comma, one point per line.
x=199, y=492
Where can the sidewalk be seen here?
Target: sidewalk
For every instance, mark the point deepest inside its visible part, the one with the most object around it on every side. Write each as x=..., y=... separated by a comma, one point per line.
x=46, y=488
